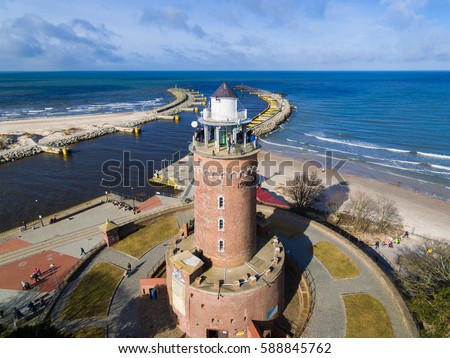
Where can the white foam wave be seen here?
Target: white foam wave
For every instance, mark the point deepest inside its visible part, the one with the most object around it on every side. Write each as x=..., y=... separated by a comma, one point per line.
x=347, y=143
x=396, y=150
x=281, y=145
x=290, y=140
x=359, y=145
x=404, y=161
x=398, y=167
x=441, y=156
x=443, y=167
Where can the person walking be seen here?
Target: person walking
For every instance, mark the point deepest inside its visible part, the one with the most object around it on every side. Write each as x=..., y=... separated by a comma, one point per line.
x=32, y=307
x=17, y=314
x=83, y=252
x=128, y=270
x=35, y=277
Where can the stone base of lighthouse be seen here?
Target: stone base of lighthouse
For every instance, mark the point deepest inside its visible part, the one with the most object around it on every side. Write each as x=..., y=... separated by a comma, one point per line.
x=211, y=301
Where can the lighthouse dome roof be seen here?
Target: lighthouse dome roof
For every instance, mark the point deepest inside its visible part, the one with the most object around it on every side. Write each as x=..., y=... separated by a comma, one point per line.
x=224, y=91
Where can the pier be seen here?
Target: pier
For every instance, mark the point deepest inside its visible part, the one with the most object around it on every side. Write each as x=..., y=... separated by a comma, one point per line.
x=277, y=111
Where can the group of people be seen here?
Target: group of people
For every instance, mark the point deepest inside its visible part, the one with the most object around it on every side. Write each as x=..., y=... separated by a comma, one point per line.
x=36, y=274
x=17, y=313
x=390, y=241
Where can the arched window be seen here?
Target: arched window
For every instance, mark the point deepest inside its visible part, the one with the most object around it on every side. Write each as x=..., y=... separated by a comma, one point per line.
x=220, y=224
x=221, y=246
x=221, y=202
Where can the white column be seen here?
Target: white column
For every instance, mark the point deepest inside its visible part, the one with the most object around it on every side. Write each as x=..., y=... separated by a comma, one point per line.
x=206, y=132
x=216, y=138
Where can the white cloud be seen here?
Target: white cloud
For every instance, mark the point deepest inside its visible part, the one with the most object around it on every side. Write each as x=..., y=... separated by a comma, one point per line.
x=237, y=34
x=170, y=18
x=34, y=40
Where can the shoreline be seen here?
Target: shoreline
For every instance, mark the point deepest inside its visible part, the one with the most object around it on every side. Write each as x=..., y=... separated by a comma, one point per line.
x=423, y=215
x=437, y=190
x=58, y=132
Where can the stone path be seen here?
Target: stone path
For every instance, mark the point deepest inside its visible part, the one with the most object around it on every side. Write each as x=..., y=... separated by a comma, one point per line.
x=328, y=319
x=122, y=319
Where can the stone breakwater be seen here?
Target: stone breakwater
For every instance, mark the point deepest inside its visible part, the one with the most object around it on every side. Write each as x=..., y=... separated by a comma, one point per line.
x=81, y=137
x=20, y=153
x=272, y=123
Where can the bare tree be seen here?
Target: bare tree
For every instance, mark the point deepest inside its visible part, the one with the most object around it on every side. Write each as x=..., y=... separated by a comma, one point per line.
x=361, y=208
x=337, y=199
x=425, y=278
x=306, y=189
x=386, y=214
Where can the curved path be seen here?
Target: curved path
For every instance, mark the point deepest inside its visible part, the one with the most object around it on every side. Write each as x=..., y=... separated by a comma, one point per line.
x=328, y=318
x=122, y=319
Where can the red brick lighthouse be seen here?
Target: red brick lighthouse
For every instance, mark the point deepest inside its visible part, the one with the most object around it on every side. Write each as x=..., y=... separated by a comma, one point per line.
x=225, y=281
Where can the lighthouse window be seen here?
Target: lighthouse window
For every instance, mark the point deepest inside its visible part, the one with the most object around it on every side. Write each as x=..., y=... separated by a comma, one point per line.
x=221, y=246
x=221, y=202
x=221, y=224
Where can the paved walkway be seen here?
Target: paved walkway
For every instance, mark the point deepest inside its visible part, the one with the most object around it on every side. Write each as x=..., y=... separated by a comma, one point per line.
x=122, y=320
x=59, y=243
x=329, y=319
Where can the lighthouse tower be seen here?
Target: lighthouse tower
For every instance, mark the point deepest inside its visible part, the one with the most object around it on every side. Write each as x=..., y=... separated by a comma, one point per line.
x=224, y=278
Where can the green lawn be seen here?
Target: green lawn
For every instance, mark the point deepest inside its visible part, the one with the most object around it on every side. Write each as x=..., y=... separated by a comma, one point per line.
x=337, y=263
x=93, y=332
x=154, y=233
x=366, y=317
x=91, y=297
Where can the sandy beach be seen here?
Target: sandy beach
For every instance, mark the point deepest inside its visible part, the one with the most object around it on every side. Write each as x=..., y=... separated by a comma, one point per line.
x=22, y=134
x=49, y=129
x=422, y=215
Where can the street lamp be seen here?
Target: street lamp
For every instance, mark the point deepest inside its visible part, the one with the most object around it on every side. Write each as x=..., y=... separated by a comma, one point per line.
x=40, y=218
x=106, y=193
x=52, y=267
x=132, y=196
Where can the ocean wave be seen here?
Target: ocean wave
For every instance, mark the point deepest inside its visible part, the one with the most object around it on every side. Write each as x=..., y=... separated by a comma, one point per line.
x=342, y=135
x=396, y=150
x=280, y=145
x=347, y=143
x=443, y=167
x=405, y=161
x=397, y=167
x=440, y=156
x=87, y=109
x=417, y=171
x=359, y=145
x=290, y=140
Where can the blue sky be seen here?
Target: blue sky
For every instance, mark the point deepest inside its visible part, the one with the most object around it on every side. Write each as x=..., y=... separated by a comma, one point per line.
x=225, y=35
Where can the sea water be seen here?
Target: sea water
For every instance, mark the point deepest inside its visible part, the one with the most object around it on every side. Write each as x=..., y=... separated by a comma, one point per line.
x=392, y=126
